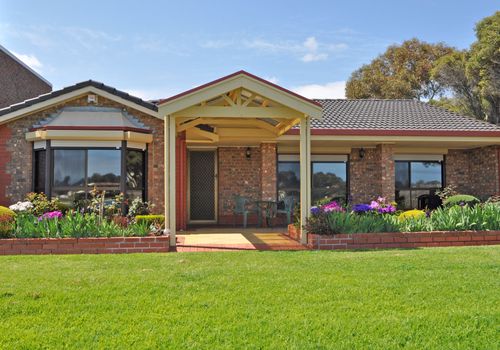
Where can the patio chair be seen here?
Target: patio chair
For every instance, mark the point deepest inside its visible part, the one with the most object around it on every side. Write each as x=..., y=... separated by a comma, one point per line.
x=240, y=208
x=289, y=202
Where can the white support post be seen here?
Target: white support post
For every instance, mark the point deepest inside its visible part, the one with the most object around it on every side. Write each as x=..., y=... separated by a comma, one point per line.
x=166, y=184
x=305, y=174
x=172, y=138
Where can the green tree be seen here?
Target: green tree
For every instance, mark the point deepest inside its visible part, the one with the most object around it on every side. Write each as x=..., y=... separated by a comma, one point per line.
x=473, y=76
x=403, y=71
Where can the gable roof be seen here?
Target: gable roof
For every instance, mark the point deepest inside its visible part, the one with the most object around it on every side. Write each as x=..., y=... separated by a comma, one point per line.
x=240, y=79
x=9, y=113
x=407, y=117
x=24, y=65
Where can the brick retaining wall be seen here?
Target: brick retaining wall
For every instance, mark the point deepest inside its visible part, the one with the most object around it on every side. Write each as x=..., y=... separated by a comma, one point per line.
x=100, y=245
x=398, y=239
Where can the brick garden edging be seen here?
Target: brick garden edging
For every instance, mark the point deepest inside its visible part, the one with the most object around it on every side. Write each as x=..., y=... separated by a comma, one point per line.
x=397, y=239
x=98, y=245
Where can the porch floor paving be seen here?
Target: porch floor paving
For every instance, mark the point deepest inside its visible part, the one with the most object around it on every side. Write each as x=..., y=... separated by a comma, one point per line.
x=223, y=239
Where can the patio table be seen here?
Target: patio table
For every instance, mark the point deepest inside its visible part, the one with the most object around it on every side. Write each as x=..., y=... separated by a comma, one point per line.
x=268, y=207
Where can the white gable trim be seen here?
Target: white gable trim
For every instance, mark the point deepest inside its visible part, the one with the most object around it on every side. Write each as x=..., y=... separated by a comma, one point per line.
x=211, y=91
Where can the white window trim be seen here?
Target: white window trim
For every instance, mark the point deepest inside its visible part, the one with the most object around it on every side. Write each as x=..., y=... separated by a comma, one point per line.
x=419, y=157
x=314, y=158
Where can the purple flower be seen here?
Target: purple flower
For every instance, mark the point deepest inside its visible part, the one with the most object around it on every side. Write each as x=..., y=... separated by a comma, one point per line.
x=51, y=215
x=332, y=206
x=362, y=208
x=375, y=205
x=387, y=210
x=315, y=210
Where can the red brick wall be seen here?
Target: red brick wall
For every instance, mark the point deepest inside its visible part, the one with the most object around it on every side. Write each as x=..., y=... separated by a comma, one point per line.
x=474, y=171
x=17, y=83
x=238, y=175
x=268, y=171
x=181, y=182
x=372, y=175
x=5, y=156
x=403, y=240
x=102, y=245
x=397, y=239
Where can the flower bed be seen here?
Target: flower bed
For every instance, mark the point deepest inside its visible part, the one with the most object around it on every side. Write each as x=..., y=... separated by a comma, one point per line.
x=394, y=240
x=104, y=245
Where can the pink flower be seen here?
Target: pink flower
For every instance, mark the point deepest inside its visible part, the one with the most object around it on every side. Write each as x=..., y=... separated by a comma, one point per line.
x=51, y=215
x=374, y=204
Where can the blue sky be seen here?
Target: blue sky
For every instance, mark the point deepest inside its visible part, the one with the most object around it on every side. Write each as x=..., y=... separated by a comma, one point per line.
x=157, y=49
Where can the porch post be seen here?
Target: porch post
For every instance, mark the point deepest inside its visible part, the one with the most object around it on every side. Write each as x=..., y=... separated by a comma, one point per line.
x=172, y=140
x=305, y=174
x=166, y=184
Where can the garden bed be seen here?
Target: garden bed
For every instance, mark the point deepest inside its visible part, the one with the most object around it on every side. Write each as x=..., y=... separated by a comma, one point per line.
x=396, y=240
x=99, y=245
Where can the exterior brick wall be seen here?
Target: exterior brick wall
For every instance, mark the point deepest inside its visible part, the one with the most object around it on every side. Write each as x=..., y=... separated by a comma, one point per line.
x=268, y=171
x=372, y=175
x=99, y=245
x=17, y=83
x=238, y=175
x=474, y=171
x=5, y=157
x=17, y=170
x=397, y=239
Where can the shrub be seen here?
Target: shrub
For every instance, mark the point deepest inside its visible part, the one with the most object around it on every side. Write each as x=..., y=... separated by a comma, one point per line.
x=7, y=217
x=153, y=223
x=350, y=222
x=415, y=213
x=447, y=192
x=41, y=204
x=461, y=199
x=138, y=207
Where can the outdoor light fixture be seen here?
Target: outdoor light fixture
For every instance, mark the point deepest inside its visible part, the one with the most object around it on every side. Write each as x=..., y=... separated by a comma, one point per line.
x=361, y=153
x=248, y=153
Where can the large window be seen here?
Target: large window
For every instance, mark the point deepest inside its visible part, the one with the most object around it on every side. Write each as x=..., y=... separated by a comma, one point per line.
x=416, y=181
x=76, y=171
x=329, y=180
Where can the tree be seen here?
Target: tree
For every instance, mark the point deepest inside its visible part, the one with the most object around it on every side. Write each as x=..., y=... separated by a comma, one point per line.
x=403, y=71
x=450, y=72
x=484, y=63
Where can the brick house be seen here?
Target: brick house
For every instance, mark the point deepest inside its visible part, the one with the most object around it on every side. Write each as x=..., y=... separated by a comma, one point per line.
x=18, y=82
x=192, y=153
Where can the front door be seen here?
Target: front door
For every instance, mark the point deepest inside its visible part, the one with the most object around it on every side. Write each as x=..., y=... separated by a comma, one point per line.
x=202, y=186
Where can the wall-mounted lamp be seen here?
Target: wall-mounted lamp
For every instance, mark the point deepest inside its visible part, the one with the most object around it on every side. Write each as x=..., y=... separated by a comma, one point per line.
x=248, y=153
x=361, y=153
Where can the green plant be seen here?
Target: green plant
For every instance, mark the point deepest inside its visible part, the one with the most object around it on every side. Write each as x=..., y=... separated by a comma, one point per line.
x=155, y=223
x=139, y=207
x=446, y=192
x=41, y=204
x=461, y=199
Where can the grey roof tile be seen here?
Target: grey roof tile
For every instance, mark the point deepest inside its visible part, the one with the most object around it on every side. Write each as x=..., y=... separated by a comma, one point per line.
x=394, y=115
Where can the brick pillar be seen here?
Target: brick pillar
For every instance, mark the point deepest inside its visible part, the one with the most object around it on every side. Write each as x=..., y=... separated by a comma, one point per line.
x=268, y=171
x=387, y=171
x=5, y=157
x=372, y=175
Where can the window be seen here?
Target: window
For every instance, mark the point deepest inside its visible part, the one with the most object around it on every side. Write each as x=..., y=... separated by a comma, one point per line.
x=415, y=181
x=329, y=180
x=75, y=172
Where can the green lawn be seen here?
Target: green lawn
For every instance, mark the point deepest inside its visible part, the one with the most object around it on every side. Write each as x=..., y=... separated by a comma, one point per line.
x=425, y=298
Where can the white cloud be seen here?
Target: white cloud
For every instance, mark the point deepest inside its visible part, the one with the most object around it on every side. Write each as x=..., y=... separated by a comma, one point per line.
x=30, y=60
x=216, y=44
x=273, y=79
x=334, y=89
x=311, y=57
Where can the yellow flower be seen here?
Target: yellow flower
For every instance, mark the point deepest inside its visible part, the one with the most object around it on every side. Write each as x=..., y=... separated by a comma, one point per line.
x=414, y=213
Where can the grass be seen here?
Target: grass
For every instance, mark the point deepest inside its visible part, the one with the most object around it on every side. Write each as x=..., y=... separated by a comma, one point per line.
x=425, y=298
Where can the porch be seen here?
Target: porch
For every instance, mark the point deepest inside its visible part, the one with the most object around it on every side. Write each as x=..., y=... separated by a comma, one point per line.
x=220, y=143
x=236, y=239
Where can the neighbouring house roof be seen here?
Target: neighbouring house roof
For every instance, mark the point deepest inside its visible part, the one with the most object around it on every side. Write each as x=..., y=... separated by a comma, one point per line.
x=393, y=116
x=89, y=83
x=24, y=65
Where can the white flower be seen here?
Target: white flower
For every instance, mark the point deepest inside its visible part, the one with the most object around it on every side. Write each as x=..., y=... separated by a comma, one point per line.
x=21, y=206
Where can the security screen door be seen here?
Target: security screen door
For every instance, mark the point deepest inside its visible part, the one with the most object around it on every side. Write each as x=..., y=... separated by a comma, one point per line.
x=202, y=186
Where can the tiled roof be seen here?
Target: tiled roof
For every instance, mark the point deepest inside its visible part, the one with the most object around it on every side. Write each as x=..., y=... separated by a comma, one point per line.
x=71, y=88
x=394, y=115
